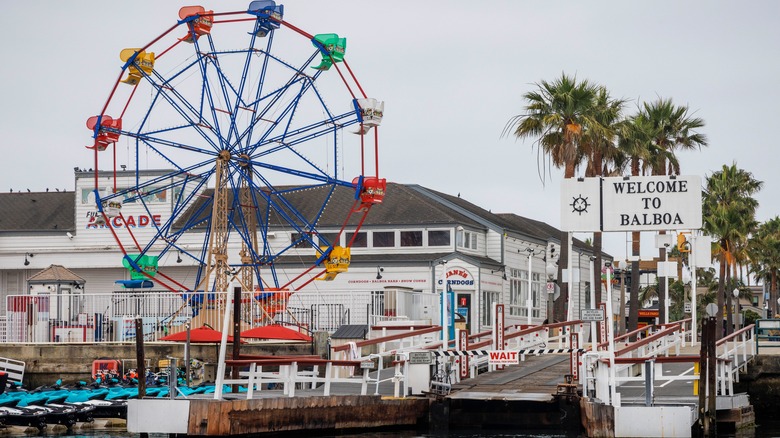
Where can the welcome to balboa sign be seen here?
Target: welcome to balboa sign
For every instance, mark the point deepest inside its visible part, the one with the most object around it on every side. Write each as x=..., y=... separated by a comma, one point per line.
x=631, y=204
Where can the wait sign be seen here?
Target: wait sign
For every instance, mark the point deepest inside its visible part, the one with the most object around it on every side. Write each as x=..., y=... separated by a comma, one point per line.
x=503, y=357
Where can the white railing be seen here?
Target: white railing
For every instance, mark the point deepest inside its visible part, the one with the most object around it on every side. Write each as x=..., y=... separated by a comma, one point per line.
x=734, y=352
x=599, y=381
x=292, y=373
x=111, y=317
x=13, y=368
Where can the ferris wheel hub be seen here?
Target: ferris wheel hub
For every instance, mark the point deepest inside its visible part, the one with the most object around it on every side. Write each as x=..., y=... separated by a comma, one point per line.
x=224, y=155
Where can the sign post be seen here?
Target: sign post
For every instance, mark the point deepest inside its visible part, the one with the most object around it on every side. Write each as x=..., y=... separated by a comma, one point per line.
x=463, y=345
x=498, y=334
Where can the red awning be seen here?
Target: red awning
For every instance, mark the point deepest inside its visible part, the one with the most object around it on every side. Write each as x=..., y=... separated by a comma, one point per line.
x=275, y=331
x=202, y=335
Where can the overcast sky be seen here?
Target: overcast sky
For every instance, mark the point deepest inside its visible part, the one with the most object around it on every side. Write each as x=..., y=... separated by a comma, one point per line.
x=452, y=73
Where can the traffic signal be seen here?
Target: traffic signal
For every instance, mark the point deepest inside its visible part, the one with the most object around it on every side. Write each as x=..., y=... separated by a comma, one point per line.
x=682, y=243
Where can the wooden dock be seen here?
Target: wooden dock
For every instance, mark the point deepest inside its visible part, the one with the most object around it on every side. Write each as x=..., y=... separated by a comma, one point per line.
x=537, y=377
x=532, y=396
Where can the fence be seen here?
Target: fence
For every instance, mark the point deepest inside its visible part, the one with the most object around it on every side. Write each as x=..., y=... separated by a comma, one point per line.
x=111, y=317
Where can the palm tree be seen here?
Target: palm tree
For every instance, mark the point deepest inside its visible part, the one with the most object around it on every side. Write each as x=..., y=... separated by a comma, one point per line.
x=557, y=114
x=634, y=143
x=728, y=211
x=599, y=147
x=668, y=128
x=764, y=250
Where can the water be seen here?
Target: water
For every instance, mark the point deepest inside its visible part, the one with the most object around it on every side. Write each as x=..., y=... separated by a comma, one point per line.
x=767, y=428
x=394, y=434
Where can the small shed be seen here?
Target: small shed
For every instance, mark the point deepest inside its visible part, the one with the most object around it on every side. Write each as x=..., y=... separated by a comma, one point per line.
x=63, y=288
x=56, y=279
x=348, y=333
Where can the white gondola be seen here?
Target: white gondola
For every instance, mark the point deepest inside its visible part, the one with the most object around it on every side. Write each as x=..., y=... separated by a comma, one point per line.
x=112, y=208
x=371, y=112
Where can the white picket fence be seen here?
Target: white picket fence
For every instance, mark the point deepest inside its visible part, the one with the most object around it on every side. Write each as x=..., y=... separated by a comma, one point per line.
x=111, y=317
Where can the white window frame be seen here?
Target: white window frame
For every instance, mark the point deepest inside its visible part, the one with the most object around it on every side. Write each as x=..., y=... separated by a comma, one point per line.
x=488, y=298
x=466, y=239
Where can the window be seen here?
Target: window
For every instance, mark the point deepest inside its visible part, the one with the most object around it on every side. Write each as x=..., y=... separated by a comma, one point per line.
x=383, y=239
x=536, y=294
x=518, y=293
x=439, y=238
x=330, y=238
x=467, y=239
x=411, y=238
x=588, y=304
x=298, y=242
x=360, y=239
x=488, y=298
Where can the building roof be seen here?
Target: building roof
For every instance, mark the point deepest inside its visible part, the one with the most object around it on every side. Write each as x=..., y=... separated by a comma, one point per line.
x=507, y=221
x=55, y=274
x=350, y=331
x=401, y=206
x=539, y=229
x=401, y=259
x=37, y=211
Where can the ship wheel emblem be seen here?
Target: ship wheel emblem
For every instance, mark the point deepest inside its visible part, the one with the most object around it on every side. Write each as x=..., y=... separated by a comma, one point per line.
x=580, y=204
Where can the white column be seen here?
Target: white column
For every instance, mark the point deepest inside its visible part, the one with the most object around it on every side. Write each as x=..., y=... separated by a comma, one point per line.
x=692, y=262
x=570, y=279
x=444, y=312
x=223, y=344
x=611, y=339
x=593, y=338
x=529, y=301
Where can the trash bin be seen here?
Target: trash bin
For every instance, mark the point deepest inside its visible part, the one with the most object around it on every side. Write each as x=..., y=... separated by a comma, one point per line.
x=460, y=321
x=209, y=372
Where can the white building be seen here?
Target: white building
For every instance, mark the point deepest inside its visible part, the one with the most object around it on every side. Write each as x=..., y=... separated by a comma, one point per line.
x=408, y=242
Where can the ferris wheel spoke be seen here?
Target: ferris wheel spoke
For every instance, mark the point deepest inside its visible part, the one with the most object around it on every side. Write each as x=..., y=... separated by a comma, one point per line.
x=276, y=96
x=192, y=116
x=303, y=134
x=250, y=138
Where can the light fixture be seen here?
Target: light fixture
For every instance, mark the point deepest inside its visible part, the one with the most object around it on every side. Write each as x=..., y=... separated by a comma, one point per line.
x=178, y=257
x=379, y=271
x=27, y=262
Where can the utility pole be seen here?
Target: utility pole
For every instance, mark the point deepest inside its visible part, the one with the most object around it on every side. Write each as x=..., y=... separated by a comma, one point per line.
x=707, y=381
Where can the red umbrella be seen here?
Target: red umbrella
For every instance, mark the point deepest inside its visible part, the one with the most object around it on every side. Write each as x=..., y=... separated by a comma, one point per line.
x=202, y=335
x=275, y=331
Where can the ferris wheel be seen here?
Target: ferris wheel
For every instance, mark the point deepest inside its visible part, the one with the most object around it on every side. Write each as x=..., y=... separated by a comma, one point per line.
x=220, y=124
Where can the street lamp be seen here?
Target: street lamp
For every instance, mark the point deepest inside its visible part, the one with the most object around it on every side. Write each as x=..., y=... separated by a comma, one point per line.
x=552, y=271
x=735, y=292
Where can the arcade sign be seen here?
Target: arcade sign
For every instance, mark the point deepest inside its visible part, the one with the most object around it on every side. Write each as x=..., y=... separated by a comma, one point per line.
x=129, y=221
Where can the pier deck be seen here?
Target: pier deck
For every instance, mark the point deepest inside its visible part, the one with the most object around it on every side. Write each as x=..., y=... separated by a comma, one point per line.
x=535, y=378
